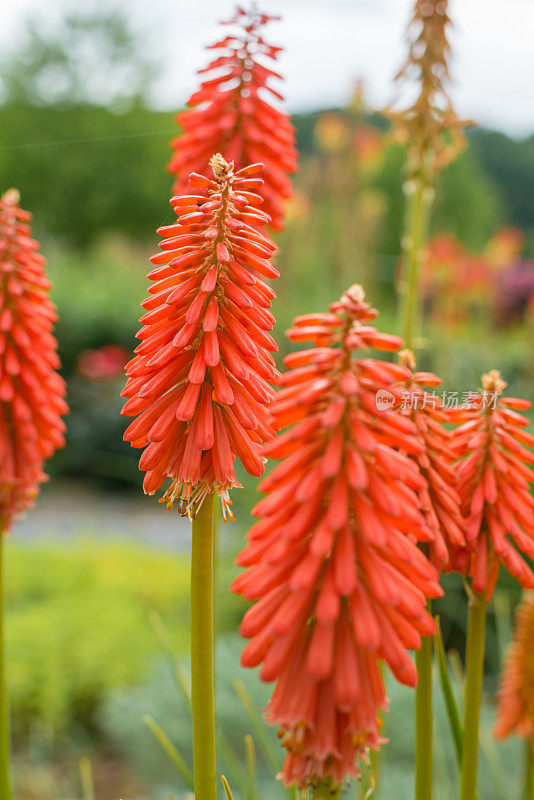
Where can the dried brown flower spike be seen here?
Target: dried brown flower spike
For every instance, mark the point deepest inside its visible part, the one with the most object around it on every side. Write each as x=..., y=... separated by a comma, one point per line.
x=430, y=125
x=493, y=384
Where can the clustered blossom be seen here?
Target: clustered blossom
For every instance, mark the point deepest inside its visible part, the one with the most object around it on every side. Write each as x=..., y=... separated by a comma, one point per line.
x=200, y=380
x=430, y=125
x=515, y=700
x=333, y=563
x=438, y=499
x=31, y=391
x=230, y=114
x=494, y=477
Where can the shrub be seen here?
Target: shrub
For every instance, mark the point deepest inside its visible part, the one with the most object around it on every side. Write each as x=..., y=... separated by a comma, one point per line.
x=78, y=626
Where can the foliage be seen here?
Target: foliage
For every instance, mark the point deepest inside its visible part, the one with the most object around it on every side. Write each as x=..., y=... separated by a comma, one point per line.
x=107, y=169
x=88, y=55
x=121, y=718
x=511, y=164
x=468, y=202
x=78, y=626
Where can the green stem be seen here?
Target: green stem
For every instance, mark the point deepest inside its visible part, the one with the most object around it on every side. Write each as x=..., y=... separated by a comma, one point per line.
x=205, y=776
x=375, y=758
x=419, y=195
x=216, y=554
x=474, y=666
x=423, y=721
x=417, y=213
x=529, y=769
x=5, y=744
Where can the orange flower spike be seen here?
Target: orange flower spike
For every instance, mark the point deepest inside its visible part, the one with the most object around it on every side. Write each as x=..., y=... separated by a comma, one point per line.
x=333, y=562
x=515, y=699
x=494, y=476
x=200, y=380
x=230, y=114
x=31, y=390
x=438, y=499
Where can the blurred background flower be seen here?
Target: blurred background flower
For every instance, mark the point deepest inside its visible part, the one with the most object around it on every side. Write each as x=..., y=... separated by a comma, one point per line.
x=102, y=364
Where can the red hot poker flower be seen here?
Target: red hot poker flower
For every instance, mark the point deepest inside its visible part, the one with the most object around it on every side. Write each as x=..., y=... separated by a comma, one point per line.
x=230, y=114
x=515, y=701
x=199, y=382
x=438, y=499
x=31, y=391
x=333, y=562
x=494, y=477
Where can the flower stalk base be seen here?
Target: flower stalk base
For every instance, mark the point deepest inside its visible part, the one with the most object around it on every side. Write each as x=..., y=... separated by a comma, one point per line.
x=424, y=721
x=476, y=635
x=202, y=694
x=5, y=745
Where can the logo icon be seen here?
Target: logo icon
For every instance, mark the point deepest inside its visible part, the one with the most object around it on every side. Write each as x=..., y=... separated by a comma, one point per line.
x=384, y=400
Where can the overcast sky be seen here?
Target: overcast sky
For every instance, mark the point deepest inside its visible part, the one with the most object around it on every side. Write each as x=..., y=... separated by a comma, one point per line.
x=331, y=43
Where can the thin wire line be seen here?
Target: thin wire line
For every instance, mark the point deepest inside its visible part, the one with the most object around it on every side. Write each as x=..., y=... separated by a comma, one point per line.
x=87, y=141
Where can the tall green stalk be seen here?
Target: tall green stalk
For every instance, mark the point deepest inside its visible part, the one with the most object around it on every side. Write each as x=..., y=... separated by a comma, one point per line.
x=419, y=196
x=424, y=722
x=5, y=744
x=474, y=673
x=202, y=694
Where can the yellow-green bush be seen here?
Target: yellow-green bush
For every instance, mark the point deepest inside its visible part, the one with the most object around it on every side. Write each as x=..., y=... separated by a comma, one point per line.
x=78, y=625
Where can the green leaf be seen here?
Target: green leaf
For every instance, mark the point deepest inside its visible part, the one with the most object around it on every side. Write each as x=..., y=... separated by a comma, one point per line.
x=451, y=706
x=500, y=779
x=457, y=669
x=170, y=749
x=178, y=673
x=227, y=791
x=233, y=765
x=447, y=791
x=271, y=753
x=183, y=682
x=252, y=785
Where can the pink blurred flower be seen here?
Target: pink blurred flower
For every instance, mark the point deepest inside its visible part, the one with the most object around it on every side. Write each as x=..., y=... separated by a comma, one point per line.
x=102, y=364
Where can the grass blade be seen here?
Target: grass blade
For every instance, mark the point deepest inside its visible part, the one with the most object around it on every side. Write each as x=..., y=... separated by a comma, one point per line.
x=170, y=749
x=227, y=791
x=447, y=789
x=451, y=706
x=271, y=753
x=457, y=669
x=500, y=779
x=252, y=785
x=233, y=765
x=183, y=681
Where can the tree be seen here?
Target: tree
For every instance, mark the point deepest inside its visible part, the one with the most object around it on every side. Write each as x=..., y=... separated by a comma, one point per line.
x=88, y=58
